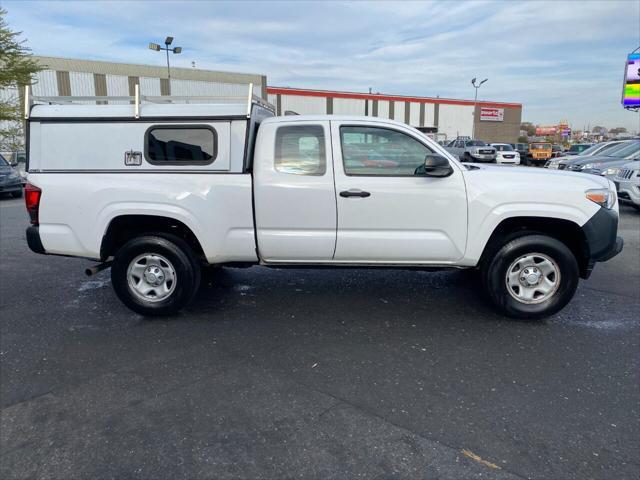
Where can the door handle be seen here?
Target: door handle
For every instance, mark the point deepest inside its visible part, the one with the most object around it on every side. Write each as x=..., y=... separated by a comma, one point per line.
x=354, y=193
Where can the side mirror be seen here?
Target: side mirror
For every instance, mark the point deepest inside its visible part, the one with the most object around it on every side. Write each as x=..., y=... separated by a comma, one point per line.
x=434, y=166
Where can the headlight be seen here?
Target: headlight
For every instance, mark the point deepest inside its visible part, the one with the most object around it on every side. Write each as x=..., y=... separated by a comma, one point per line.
x=589, y=166
x=602, y=196
x=611, y=171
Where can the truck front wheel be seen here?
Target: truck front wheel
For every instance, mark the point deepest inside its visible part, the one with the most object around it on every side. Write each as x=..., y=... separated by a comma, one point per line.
x=532, y=276
x=155, y=274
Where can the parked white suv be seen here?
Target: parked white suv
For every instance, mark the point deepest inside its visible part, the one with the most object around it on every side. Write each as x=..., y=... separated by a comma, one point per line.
x=505, y=154
x=156, y=191
x=627, y=183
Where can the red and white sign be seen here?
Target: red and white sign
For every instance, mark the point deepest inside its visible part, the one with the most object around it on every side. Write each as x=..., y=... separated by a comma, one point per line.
x=544, y=131
x=491, y=114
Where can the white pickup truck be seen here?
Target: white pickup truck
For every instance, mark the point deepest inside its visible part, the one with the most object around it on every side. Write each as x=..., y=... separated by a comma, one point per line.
x=157, y=191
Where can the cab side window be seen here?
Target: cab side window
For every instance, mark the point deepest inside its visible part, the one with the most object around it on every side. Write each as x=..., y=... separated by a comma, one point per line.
x=300, y=150
x=380, y=151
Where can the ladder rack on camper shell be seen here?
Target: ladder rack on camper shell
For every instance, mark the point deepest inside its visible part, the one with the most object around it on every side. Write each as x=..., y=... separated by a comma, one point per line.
x=138, y=100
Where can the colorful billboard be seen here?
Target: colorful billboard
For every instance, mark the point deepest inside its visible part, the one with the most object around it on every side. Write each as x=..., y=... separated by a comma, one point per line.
x=491, y=114
x=631, y=88
x=544, y=131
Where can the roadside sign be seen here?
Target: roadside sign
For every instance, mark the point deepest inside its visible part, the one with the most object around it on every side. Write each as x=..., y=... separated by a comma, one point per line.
x=631, y=87
x=491, y=114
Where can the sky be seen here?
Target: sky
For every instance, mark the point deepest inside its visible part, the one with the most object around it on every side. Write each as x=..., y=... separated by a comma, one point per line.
x=563, y=60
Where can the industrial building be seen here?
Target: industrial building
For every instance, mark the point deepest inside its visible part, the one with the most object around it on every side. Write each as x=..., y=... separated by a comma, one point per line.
x=442, y=118
x=445, y=118
x=72, y=77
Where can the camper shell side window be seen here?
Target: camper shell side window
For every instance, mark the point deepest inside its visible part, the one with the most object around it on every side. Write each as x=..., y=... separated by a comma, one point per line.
x=180, y=145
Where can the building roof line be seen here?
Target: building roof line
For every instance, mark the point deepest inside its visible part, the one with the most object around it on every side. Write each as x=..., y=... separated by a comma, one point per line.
x=142, y=70
x=381, y=96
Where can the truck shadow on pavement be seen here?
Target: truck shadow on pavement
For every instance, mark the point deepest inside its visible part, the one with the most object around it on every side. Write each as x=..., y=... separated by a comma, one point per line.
x=344, y=293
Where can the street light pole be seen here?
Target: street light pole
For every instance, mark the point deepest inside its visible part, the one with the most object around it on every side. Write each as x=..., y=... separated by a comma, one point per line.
x=169, y=68
x=475, y=104
x=167, y=42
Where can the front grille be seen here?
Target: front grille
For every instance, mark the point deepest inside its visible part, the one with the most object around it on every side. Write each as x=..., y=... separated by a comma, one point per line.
x=485, y=152
x=509, y=156
x=625, y=173
x=575, y=168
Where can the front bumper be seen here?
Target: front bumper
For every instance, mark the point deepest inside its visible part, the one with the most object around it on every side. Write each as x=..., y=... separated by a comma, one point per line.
x=628, y=192
x=480, y=157
x=601, y=233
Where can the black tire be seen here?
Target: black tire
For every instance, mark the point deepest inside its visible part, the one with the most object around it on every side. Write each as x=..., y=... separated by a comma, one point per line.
x=17, y=194
x=495, y=274
x=467, y=157
x=180, y=257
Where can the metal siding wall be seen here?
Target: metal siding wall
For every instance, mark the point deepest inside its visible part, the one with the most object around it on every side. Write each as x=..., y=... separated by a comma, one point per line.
x=82, y=84
x=348, y=106
x=429, y=115
x=272, y=99
x=150, y=86
x=200, y=88
x=383, y=109
x=117, y=86
x=455, y=120
x=304, y=105
x=46, y=84
x=398, y=111
x=64, y=83
x=414, y=116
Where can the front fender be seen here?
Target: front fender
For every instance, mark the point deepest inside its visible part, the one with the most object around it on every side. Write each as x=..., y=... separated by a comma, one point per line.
x=482, y=226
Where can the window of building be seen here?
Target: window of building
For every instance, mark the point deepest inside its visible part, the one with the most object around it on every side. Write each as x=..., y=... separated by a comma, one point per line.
x=380, y=151
x=181, y=145
x=300, y=150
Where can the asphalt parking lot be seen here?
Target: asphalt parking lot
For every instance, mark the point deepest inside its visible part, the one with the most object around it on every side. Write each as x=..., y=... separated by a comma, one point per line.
x=314, y=374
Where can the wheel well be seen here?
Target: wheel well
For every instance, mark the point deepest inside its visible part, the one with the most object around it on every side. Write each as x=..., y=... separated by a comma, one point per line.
x=125, y=227
x=566, y=231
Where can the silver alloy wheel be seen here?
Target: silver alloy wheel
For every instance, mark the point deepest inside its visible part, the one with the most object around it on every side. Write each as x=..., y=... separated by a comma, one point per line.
x=533, y=278
x=151, y=277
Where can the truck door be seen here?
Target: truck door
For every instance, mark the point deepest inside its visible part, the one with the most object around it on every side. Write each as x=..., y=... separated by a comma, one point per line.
x=387, y=214
x=294, y=192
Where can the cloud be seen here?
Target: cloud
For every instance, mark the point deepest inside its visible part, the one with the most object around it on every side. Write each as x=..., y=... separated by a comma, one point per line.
x=561, y=60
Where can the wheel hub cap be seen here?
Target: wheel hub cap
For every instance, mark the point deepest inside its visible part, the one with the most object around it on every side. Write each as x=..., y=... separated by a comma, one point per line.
x=151, y=277
x=154, y=275
x=533, y=278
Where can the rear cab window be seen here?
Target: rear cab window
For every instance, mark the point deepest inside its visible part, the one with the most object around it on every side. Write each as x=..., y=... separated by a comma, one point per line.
x=300, y=150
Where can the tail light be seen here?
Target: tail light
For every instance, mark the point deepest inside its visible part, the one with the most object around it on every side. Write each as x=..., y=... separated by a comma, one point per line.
x=32, y=196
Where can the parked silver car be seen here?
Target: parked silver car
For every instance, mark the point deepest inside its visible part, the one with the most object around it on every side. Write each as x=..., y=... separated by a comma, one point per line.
x=627, y=183
x=472, y=150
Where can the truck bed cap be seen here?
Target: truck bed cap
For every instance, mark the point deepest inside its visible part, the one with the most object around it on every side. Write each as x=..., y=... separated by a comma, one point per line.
x=210, y=110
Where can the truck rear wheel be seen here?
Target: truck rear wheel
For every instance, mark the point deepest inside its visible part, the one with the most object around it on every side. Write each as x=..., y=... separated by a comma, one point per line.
x=533, y=277
x=155, y=274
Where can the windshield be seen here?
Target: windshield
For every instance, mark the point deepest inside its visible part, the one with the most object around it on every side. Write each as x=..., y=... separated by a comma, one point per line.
x=502, y=147
x=540, y=146
x=476, y=143
x=581, y=147
x=626, y=151
x=3, y=161
x=598, y=147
